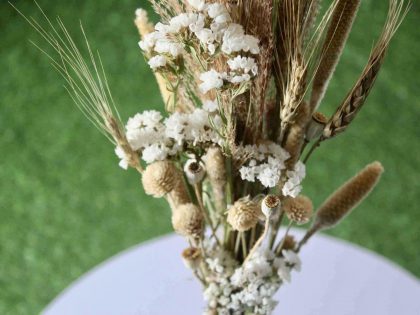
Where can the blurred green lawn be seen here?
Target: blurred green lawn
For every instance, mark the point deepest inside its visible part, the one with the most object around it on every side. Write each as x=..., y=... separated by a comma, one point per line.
x=66, y=205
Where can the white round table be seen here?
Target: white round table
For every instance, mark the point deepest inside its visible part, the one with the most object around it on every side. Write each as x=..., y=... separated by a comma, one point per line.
x=337, y=278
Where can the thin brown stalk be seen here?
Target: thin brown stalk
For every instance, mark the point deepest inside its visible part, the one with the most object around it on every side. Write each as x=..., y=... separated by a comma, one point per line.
x=86, y=80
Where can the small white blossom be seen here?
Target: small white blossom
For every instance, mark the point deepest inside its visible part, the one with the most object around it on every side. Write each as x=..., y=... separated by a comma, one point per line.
x=210, y=80
x=167, y=46
x=157, y=62
x=267, y=165
x=149, y=41
x=245, y=64
x=154, y=152
x=210, y=106
x=199, y=5
x=292, y=258
x=124, y=159
x=293, y=185
x=205, y=36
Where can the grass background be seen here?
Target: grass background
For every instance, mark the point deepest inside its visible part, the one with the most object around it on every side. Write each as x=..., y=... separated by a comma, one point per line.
x=65, y=204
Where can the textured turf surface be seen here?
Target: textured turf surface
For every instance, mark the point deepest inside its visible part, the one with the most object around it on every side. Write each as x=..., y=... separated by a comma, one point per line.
x=65, y=204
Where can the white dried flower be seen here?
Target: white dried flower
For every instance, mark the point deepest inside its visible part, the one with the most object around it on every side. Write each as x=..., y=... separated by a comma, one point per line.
x=245, y=64
x=199, y=5
x=124, y=158
x=149, y=41
x=205, y=36
x=154, y=152
x=292, y=258
x=293, y=186
x=157, y=62
x=210, y=80
x=210, y=106
x=166, y=46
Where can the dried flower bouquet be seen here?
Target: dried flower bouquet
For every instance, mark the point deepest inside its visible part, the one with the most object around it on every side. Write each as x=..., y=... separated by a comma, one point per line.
x=242, y=82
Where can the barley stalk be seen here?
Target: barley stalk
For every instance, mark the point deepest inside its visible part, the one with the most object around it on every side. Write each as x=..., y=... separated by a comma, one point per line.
x=356, y=98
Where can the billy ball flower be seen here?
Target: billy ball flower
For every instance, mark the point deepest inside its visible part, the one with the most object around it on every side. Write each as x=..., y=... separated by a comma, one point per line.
x=270, y=205
x=298, y=209
x=194, y=171
x=187, y=220
x=244, y=214
x=160, y=178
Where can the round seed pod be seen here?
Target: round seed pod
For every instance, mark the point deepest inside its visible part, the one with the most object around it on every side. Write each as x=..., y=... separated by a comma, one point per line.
x=298, y=209
x=179, y=195
x=160, y=178
x=187, y=220
x=192, y=257
x=244, y=214
x=270, y=205
x=194, y=171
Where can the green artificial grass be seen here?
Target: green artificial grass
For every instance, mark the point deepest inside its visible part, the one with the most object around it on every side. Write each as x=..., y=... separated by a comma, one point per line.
x=66, y=205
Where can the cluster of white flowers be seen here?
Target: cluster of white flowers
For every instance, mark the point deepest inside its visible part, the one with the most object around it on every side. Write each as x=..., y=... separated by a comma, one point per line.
x=293, y=185
x=266, y=163
x=157, y=138
x=212, y=26
x=252, y=286
x=242, y=69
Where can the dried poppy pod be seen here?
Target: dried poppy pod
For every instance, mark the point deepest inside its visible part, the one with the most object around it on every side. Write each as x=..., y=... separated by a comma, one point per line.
x=316, y=126
x=194, y=171
x=159, y=178
x=298, y=209
x=192, y=257
x=244, y=214
x=269, y=205
x=187, y=220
